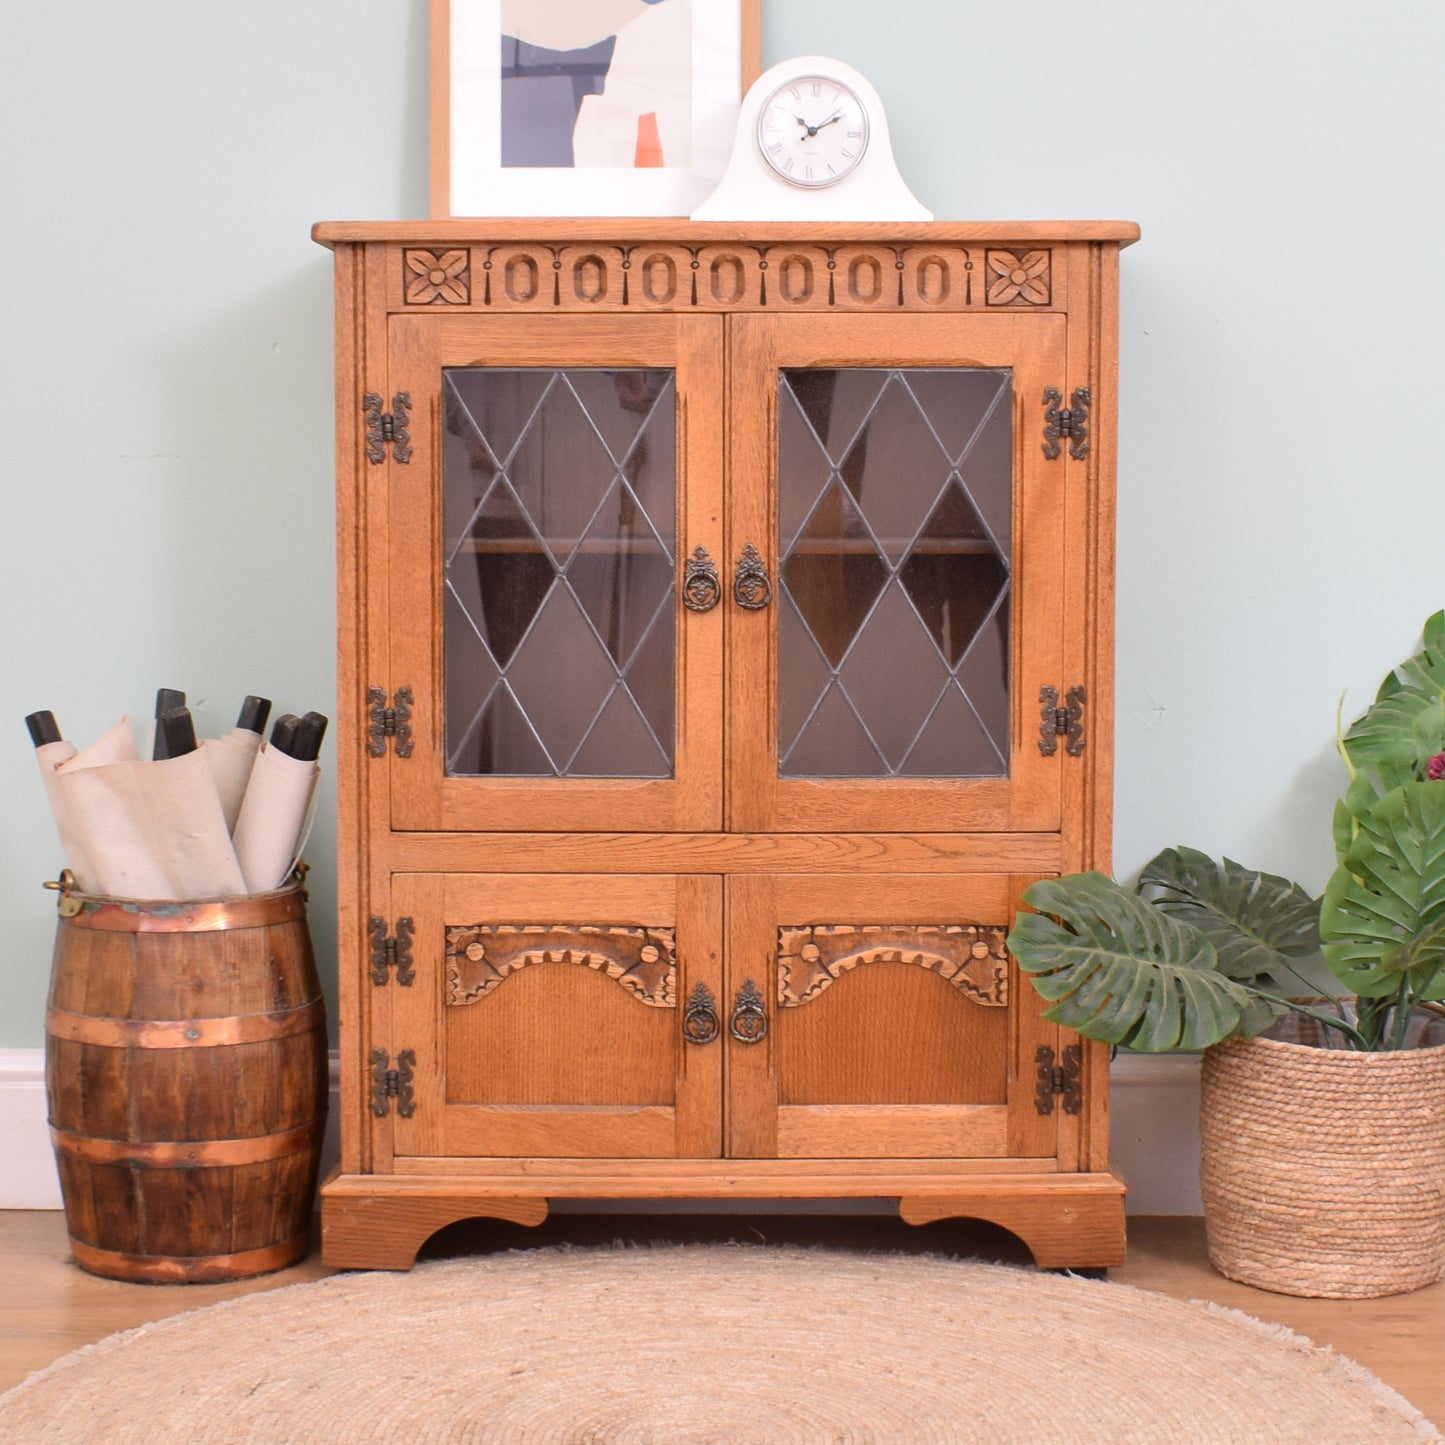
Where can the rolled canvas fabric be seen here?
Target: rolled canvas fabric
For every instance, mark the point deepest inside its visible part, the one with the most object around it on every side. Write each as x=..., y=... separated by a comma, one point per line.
x=115, y=745
x=153, y=830
x=273, y=812
x=49, y=756
x=231, y=758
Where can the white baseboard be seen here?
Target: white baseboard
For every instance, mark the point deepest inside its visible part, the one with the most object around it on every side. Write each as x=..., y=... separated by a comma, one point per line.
x=1155, y=1132
x=28, y=1179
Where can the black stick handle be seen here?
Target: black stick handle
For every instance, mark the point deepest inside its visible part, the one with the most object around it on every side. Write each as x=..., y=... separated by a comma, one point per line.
x=168, y=699
x=178, y=729
x=254, y=712
x=283, y=733
x=308, y=737
x=43, y=728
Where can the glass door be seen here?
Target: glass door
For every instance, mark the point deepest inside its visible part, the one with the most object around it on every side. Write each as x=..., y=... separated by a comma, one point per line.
x=899, y=546
x=545, y=606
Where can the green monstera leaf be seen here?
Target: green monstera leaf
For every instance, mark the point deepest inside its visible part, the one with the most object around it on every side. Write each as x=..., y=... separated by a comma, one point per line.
x=1351, y=810
x=1397, y=734
x=1260, y=924
x=1406, y=722
x=1118, y=969
x=1383, y=914
x=1427, y=668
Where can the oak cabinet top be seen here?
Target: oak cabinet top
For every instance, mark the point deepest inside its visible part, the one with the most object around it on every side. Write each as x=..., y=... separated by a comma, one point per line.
x=680, y=230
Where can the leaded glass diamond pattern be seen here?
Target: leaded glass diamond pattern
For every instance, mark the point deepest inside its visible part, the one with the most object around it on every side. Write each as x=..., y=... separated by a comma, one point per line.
x=558, y=514
x=895, y=503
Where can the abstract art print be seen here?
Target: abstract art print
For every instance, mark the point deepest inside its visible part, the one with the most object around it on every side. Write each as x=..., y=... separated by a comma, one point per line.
x=585, y=107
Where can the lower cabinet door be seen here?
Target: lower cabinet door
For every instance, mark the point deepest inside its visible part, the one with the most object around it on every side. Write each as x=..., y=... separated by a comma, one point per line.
x=882, y=1018
x=558, y=1016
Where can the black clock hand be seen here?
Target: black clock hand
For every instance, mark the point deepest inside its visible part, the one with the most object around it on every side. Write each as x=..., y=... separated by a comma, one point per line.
x=814, y=129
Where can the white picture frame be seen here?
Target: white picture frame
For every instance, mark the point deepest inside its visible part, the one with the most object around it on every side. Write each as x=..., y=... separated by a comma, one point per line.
x=491, y=120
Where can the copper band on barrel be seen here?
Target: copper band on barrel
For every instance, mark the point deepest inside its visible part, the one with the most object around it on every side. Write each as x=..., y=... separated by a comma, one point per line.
x=184, y=1033
x=195, y=1268
x=126, y=916
x=189, y=1153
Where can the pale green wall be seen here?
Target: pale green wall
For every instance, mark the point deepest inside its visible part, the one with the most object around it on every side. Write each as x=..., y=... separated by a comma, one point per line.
x=165, y=375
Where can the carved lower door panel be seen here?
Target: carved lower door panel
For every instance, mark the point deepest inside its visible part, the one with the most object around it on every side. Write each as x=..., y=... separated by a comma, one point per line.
x=891, y=1023
x=559, y=1016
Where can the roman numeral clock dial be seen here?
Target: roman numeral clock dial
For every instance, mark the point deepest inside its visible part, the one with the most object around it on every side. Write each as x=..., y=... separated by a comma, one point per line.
x=811, y=144
x=813, y=130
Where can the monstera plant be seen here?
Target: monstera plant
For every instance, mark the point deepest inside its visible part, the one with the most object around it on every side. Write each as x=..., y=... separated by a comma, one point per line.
x=1322, y=1169
x=1203, y=951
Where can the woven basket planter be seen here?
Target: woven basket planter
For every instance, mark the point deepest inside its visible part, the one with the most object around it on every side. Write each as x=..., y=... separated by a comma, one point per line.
x=1323, y=1170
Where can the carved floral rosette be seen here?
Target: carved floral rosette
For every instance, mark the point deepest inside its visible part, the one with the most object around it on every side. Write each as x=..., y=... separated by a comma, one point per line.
x=532, y=276
x=480, y=955
x=971, y=957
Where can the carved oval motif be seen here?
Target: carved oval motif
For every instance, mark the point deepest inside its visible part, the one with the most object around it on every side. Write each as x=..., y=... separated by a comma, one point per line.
x=795, y=279
x=728, y=278
x=521, y=278
x=933, y=280
x=589, y=278
x=659, y=278
x=865, y=280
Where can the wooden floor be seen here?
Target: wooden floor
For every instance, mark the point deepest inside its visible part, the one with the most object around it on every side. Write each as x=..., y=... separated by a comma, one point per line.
x=51, y=1307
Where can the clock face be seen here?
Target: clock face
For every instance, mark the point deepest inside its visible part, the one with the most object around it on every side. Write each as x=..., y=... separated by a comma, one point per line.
x=812, y=130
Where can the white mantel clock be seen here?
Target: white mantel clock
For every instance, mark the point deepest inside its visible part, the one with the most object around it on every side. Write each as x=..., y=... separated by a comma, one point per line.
x=811, y=145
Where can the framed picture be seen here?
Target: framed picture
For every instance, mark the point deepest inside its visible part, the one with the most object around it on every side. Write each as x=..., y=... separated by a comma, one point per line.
x=585, y=107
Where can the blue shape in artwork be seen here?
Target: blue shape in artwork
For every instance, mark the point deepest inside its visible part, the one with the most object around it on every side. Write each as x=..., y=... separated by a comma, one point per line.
x=541, y=94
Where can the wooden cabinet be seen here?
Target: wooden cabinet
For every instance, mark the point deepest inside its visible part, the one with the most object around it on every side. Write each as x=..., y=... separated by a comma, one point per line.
x=726, y=625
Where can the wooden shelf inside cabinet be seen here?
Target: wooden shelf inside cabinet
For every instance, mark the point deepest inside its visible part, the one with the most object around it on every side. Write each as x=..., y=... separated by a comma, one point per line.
x=725, y=646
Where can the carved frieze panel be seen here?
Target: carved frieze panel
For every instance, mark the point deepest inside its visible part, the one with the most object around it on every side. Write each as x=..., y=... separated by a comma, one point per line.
x=1019, y=278
x=970, y=957
x=585, y=276
x=480, y=955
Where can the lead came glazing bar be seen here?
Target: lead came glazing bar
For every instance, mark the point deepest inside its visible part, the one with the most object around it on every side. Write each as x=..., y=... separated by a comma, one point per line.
x=895, y=497
x=560, y=569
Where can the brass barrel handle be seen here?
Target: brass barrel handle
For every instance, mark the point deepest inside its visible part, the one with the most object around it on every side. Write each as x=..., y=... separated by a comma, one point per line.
x=751, y=588
x=701, y=590
x=67, y=905
x=700, y=1023
x=749, y=1023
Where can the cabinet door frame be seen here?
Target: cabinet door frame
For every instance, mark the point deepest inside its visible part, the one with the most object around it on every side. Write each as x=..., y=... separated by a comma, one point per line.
x=441, y=1127
x=762, y=1124
x=421, y=794
x=1032, y=346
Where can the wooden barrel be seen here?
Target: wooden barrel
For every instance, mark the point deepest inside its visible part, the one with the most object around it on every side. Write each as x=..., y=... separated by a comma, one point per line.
x=185, y=1066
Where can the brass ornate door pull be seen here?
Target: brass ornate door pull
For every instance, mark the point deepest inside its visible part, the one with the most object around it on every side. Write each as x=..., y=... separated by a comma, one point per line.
x=749, y=1024
x=699, y=1019
x=701, y=590
x=751, y=588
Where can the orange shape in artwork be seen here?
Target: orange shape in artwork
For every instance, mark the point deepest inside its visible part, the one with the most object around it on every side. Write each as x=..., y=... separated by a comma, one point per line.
x=649, y=142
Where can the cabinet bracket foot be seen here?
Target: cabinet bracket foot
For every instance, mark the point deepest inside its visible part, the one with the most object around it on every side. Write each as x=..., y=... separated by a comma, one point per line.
x=1072, y=1227
x=363, y=1227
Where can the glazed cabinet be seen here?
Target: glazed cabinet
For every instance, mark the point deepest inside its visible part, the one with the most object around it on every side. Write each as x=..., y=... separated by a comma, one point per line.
x=726, y=621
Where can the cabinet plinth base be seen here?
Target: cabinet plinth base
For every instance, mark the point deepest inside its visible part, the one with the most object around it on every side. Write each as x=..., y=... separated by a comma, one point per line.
x=1067, y=1221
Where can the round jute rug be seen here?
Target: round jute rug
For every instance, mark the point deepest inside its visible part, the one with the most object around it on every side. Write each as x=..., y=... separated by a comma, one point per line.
x=680, y=1345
